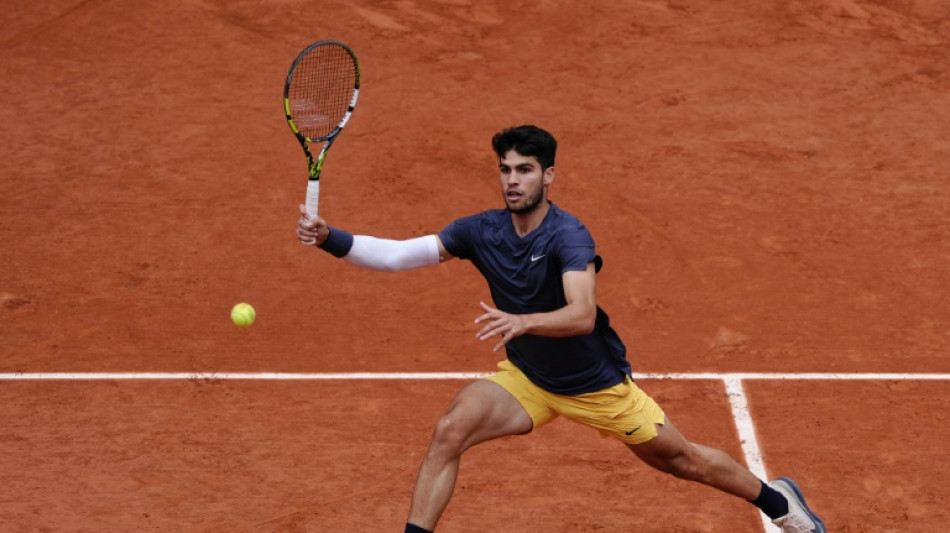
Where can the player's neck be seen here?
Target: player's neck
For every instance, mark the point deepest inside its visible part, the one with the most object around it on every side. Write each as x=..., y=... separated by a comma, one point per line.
x=525, y=223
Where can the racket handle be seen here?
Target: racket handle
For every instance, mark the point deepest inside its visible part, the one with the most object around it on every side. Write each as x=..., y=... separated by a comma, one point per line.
x=313, y=197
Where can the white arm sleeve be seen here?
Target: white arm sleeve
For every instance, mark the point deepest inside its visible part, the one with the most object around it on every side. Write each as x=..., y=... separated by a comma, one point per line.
x=392, y=256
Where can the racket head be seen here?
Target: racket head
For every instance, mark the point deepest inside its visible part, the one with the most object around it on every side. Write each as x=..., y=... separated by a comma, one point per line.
x=321, y=90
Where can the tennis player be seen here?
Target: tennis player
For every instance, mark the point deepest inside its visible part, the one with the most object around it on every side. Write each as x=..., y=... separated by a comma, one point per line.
x=563, y=357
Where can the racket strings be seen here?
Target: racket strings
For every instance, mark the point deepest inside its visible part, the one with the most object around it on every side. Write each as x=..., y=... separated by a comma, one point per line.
x=321, y=89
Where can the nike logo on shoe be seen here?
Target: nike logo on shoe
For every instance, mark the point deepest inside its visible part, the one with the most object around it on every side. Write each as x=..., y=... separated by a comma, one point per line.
x=632, y=431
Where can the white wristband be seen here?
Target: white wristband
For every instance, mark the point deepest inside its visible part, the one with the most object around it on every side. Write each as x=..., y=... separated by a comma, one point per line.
x=388, y=255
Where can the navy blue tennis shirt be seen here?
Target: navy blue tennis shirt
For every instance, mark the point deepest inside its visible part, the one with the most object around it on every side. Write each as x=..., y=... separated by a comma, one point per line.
x=524, y=276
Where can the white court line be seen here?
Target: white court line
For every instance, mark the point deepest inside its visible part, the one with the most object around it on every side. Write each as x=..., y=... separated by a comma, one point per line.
x=747, y=438
x=307, y=376
x=259, y=376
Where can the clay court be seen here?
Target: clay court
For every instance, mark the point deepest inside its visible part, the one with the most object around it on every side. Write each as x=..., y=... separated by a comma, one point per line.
x=767, y=182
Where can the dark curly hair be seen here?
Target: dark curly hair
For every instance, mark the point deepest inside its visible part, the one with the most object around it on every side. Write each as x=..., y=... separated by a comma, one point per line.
x=529, y=141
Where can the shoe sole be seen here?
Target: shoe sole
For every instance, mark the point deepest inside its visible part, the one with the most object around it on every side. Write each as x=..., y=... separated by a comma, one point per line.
x=801, y=499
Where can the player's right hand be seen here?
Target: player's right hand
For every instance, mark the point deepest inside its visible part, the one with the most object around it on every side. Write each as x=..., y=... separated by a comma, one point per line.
x=311, y=231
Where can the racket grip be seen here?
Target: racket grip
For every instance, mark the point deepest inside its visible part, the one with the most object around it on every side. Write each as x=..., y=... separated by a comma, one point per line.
x=313, y=197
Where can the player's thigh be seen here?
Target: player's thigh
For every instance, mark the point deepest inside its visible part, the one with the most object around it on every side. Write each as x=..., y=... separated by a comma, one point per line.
x=668, y=450
x=481, y=411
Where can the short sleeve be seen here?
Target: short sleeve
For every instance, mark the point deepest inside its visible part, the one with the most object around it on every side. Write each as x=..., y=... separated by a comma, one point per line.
x=576, y=248
x=456, y=238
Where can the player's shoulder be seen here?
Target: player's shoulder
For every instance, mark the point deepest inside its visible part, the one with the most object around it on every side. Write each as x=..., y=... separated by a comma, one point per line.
x=471, y=229
x=565, y=220
x=491, y=217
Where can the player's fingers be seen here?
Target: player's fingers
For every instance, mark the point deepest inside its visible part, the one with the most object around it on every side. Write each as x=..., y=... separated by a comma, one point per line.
x=303, y=229
x=504, y=340
x=489, y=330
x=308, y=221
x=501, y=328
x=483, y=318
x=309, y=233
x=318, y=224
x=311, y=224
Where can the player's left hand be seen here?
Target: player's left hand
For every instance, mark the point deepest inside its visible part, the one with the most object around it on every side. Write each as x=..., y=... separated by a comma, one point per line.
x=499, y=323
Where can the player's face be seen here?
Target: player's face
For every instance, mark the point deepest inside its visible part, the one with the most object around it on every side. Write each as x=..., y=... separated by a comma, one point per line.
x=523, y=183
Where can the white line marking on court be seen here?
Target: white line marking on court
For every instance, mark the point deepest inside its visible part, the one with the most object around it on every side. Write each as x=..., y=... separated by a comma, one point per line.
x=291, y=376
x=747, y=438
x=885, y=376
x=261, y=376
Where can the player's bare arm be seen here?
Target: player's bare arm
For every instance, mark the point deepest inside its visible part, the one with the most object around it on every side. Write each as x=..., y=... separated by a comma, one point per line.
x=575, y=318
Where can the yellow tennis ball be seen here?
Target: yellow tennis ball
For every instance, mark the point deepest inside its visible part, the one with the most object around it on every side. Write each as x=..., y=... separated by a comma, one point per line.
x=243, y=315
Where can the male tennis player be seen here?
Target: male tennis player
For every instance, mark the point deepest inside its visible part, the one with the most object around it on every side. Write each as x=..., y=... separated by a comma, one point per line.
x=563, y=357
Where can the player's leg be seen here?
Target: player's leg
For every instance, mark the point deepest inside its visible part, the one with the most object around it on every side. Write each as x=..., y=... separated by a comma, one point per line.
x=670, y=452
x=481, y=411
x=628, y=414
x=781, y=500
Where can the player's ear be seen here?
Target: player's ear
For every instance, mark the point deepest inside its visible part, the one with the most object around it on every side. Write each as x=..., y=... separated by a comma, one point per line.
x=548, y=176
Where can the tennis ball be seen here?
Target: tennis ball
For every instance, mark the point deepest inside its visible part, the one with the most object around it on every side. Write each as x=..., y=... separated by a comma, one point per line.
x=243, y=314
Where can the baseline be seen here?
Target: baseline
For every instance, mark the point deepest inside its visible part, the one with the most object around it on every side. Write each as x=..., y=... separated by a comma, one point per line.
x=741, y=376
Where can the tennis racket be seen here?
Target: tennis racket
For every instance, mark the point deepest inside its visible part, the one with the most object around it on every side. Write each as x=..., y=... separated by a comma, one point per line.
x=319, y=98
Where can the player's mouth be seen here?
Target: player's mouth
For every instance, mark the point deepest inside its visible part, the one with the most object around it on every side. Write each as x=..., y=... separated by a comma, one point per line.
x=513, y=195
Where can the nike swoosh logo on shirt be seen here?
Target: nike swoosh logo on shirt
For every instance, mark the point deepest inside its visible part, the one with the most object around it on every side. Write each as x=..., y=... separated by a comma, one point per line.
x=536, y=257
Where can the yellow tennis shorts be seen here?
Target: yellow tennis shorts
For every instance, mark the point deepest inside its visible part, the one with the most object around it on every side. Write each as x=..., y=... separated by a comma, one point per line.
x=623, y=411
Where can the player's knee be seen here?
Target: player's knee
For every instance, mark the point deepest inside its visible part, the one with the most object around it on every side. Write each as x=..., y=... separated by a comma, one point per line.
x=448, y=438
x=689, y=464
x=685, y=468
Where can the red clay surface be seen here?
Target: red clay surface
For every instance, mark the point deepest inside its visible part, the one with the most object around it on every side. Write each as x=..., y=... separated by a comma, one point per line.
x=767, y=182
